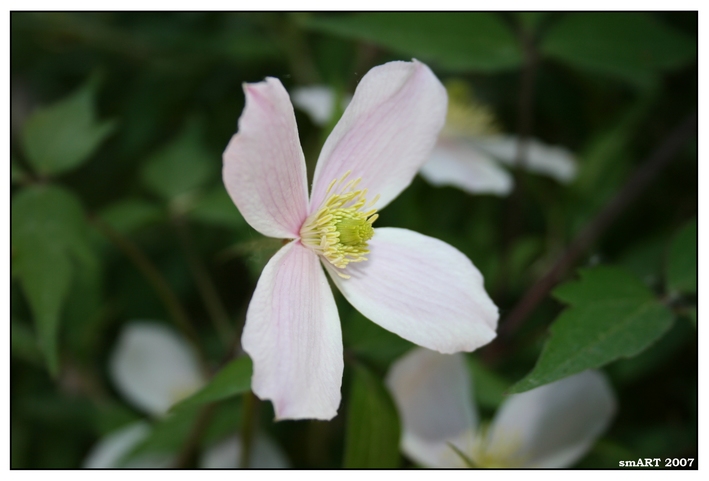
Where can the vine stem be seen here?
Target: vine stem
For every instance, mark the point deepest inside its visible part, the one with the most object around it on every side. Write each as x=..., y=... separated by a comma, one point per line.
x=639, y=181
x=157, y=281
x=207, y=289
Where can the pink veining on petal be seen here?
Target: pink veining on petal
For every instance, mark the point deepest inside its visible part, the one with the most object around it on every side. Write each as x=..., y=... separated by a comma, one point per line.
x=386, y=133
x=293, y=336
x=264, y=167
x=422, y=289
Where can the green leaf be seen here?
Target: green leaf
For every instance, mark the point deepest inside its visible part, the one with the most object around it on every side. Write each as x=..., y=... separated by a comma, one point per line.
x=168, y=435
x=612, y=315
x=371, y=342
x=181, y=167
x=48, y=231
x=452, y=41
x=24, y=343
x=372, y=439
x=233, y=379
x=682, y=260
x=489, y=387
x=630, y=46
x=17, y=173
x=216, y=208
x=128, y=215
x=64, y=135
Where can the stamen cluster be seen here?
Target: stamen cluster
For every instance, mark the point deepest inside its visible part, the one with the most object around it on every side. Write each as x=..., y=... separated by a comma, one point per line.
x=340, y=229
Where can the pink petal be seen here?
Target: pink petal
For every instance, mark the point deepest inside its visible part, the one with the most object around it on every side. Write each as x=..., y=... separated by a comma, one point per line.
x=460, y=164
x=293, y=336
x=434, y=397
x=422, y=289
x=386, y=133
x=264, y=167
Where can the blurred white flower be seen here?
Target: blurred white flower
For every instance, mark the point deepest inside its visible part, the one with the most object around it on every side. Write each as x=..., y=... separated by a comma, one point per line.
x=227, y=454
x=154, y=368
x=552, y=426
x=470, y=152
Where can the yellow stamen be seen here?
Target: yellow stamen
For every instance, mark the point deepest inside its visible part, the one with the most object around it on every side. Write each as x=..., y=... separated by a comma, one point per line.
x=340, y=229
x=466, y=116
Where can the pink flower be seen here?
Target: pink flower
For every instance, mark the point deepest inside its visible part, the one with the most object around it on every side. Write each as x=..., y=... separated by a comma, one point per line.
x=415, y=286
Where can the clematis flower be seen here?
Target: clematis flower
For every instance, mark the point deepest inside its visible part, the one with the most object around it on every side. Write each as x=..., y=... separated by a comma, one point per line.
x=552, y=426
x=153, y=367
x=418, y=287
x=471, y=152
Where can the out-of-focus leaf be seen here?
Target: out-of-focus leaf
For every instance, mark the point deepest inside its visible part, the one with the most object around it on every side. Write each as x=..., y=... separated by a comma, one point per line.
x=372, y=439
x=225, y=421
x=644, y=259
x=17, y=173
x=110, y=416
x=24, y=343
x=233, y=379
x=631, y=46
x=612, y=315
x=692, y=315
x=62, y=136
x=182, y=166
x=682, y=260
x=489, y=388
x=127, y=215
x=371, y=342
x=48, y=229
x=216, y=208
x=168, y=434
x=453, y=41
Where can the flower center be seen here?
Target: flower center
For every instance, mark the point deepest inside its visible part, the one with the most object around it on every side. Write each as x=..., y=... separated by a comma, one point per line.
x=340, y=229
x=466, y=116
x=504, y=453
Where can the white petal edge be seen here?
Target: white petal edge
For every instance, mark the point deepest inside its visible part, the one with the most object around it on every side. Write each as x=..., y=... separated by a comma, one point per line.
x=422, y=289
x=110, y=450
x=264, y=166
x=386, y=133
x=153, y=367
x=554, y=425
x=293, y=336
x=550, y=160
x=265, y=454
x=459, y=164
x=318, y=101
x=433, y=393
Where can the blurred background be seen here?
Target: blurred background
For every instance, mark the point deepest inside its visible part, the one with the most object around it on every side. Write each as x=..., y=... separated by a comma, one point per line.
x=120, y=218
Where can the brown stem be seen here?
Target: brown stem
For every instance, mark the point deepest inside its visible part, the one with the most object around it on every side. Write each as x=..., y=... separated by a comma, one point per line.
x=640, y=180
x=525, y=118
x=187, y=456
x=248, y=425
x=153, y=276
x=208, y=291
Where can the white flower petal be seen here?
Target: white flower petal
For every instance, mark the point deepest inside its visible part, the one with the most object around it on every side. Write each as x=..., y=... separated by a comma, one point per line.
x=264, y=454
x=386, y=133
x=553, y=161
x=109, y=451
x=318, y=101
x=264, y=166
x=422, y=289
x=153, y=367
x=293, y=336
x=434, y=396
x=554, y=425
x=459, y=164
